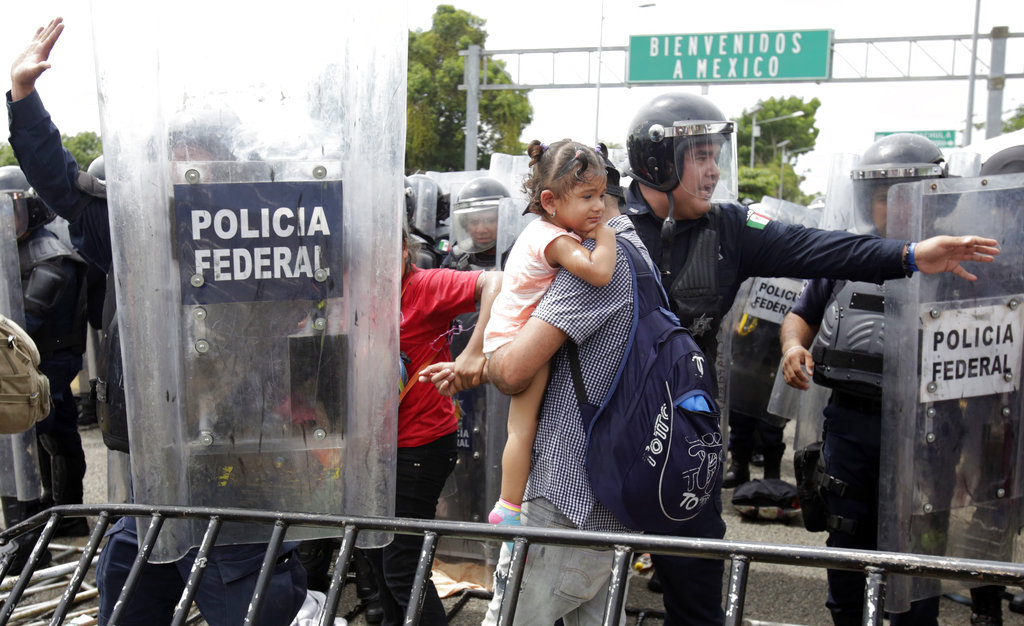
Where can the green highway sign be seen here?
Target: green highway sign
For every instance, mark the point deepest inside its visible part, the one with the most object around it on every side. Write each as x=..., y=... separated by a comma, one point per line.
x=941, y=138
x=769, y=56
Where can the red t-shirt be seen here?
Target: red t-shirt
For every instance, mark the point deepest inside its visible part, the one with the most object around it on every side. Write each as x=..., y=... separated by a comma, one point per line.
x=430, y=301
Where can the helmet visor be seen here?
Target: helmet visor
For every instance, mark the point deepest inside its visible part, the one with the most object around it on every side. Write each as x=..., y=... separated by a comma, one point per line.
x=475, y=225
x=424, y=217
x=705, y=159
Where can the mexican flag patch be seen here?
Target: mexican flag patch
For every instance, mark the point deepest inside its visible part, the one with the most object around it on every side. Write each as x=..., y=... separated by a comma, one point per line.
x=756, y=220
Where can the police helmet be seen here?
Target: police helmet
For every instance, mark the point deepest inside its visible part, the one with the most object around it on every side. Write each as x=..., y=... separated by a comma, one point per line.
x=665, y=127
x=1007, y=161
x=896, y=158
x=30, y=212
x=12, y=179
x=97, y=169
x=423, y=212
x=475, y=214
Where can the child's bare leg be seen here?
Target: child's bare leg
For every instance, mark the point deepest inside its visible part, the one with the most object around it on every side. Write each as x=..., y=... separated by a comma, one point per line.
x=523, y=411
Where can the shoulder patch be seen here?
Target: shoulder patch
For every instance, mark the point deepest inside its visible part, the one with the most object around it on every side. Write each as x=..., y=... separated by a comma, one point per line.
x=756, y=220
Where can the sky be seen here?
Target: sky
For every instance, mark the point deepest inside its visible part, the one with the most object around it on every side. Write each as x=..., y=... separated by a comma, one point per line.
x=849, y=115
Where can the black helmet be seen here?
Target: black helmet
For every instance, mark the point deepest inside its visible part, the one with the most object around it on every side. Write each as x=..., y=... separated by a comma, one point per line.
x=655, y=134
x=1007, y=161
x=475, y=214
x=96, y=168
x=12, y=179
x=900, y=155
x=29, y=211
x=896, y=158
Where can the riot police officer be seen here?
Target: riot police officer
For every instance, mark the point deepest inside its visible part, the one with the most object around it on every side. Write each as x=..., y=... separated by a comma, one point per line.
x=475, y=225
x=682, y=158
x=846, y=355
x=53, y=289
x=80, y=198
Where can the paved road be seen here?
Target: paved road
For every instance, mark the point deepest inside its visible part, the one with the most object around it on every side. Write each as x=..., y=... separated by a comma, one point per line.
x=776, y=593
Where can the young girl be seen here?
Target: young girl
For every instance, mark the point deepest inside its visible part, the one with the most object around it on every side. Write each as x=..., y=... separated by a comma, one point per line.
x=566, y=188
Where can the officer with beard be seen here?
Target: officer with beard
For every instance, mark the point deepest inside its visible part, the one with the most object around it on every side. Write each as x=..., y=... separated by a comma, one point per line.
x=681, y=152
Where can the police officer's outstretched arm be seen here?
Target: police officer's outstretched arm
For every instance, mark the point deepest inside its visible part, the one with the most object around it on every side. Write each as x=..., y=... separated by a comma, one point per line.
x=796, y=336
x=945, y=254
x=34, y=60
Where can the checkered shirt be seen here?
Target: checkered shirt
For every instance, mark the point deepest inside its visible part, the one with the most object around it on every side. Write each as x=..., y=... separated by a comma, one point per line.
x=598, y=319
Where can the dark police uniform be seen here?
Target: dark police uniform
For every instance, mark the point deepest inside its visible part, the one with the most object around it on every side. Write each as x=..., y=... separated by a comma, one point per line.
x=54, y=175
x=727, y=248
x=53, y=281
x=852, y=448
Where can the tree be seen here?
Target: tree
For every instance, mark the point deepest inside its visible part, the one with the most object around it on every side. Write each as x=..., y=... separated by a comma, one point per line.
x=7, y=155
x=763, y=178
x=1015, y=121
x=84, y=147
x=436, y=109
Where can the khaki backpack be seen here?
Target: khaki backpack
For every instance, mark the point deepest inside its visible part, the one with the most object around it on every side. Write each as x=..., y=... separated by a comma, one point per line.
x=24, y=390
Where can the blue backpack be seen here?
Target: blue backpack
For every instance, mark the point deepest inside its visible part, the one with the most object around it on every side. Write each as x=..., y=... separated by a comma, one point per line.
x=654, y=447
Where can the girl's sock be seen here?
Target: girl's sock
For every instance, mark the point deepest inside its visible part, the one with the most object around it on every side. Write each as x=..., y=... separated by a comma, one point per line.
x=504, y=512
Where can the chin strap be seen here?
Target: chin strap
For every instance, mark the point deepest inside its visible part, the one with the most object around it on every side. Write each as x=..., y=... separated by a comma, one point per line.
x=668, y=231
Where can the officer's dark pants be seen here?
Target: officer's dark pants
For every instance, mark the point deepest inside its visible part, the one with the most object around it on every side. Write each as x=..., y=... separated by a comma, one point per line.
x=223, y=596
x=58, y=433
x=851, y=451
x=693, y=587
x=744, y=432
x=422, y=472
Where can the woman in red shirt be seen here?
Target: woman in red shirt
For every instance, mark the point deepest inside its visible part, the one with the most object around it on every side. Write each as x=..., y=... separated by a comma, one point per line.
x=427, y=421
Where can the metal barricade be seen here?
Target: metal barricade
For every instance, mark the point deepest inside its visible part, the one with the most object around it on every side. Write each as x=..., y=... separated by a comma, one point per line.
x=876, y=565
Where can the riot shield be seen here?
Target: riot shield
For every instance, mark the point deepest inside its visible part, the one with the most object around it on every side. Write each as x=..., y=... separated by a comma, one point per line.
x=511, y=171
x=511, y=222
x=424, y=218
x=19, y=461
x=951, y=457
x=764, y=303
x=255, y=221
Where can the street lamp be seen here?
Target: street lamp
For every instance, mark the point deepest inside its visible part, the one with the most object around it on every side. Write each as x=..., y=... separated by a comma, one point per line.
x=755, y=130
x=782, y=162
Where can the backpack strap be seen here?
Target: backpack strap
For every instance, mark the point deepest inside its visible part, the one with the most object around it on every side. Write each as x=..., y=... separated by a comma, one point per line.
x=653, y=294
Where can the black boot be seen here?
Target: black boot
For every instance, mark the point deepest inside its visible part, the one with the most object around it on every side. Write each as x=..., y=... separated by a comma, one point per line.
x=987, y=605
x=67, y=473
x=15, y=512
x=738, y=471
x=366, y=587
x=773, y=463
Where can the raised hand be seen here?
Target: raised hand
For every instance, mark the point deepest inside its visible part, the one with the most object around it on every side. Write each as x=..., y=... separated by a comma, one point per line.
x=34, y=60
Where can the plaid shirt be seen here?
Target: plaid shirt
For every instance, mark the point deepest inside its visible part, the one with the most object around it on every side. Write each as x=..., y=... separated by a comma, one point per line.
x=598, y=319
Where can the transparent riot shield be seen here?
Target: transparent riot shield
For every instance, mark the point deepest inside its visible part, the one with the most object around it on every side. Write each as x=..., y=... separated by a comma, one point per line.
x=511, y=171
x=19, y=461
x=255, y=219
x=511, y=222
x=963, y=163
x=763, y=303
x=951, y=457
x=837, y=214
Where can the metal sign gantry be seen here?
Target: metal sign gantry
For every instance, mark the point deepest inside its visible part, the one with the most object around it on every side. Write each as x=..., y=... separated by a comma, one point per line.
x=857, y=60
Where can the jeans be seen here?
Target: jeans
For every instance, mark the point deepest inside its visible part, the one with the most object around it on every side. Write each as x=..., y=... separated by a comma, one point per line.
x=562, y=581
x=422, y=472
